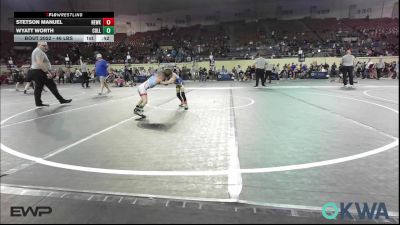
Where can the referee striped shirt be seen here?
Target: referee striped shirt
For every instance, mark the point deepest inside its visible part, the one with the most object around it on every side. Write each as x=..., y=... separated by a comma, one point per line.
x=260, y=63
x=348, y=60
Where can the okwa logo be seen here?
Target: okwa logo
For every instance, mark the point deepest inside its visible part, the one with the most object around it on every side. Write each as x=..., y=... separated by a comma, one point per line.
x=331, y=211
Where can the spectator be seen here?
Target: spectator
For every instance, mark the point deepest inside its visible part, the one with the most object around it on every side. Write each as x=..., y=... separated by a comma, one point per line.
x=333, y=70
x=379, y=67
x=101, y=70
x=85, y=75
x=60, y=74
x=223, y=70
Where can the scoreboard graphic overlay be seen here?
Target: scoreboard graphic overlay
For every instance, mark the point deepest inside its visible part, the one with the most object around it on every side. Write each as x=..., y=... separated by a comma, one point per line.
x=64, y=26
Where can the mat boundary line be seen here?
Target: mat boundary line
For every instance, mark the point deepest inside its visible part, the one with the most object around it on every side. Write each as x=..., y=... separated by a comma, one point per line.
x=23, y=188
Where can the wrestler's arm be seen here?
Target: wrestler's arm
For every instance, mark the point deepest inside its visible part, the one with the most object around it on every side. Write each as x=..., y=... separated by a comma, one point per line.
x=170, y=81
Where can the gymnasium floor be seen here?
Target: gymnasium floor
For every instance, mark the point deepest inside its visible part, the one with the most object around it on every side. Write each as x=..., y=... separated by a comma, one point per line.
x=295, y=144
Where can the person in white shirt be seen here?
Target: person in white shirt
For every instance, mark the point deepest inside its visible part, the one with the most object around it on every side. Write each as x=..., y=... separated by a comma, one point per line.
x=379, y=67
x=78, y=73
x=300, y=52
x=277, y=71
x=85, y=75
x=348, y=62
x=369, y=68
x=212, y=62
x=240, y=73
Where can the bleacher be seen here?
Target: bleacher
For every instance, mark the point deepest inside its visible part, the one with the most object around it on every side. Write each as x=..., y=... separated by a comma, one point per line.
x=279, y=38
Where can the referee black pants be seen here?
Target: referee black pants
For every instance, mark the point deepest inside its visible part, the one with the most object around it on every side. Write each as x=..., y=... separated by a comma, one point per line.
x=347, y=72
x=260, y=74
x=85, y=79
x=41, y=79
x=379, y=73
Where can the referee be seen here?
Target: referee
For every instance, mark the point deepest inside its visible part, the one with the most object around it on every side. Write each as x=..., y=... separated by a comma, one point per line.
x=348, y=61
x=260, y=65
x=40, y=73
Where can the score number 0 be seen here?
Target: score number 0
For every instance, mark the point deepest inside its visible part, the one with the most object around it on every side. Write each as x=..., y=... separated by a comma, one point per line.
x=108, y=25
x=108, y=21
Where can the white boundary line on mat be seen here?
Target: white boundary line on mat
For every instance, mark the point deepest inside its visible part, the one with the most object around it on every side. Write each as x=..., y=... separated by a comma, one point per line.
x=43, y=161
x=378, y=98
x=57, y=113
x=43, y=191
x=275, y=87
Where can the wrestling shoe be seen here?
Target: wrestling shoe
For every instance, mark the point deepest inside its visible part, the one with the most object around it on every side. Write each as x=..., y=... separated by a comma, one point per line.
x=138, y=112
x=42, y=105
x=64, y=101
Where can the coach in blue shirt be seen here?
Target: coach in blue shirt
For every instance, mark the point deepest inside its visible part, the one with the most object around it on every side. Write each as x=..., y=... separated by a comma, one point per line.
x=101, y=69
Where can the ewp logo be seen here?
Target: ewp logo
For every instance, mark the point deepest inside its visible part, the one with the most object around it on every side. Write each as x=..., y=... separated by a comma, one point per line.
x=331, y=211
x=35, y=211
